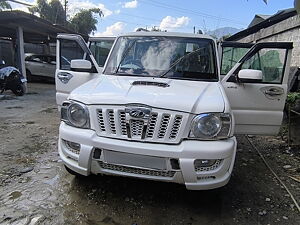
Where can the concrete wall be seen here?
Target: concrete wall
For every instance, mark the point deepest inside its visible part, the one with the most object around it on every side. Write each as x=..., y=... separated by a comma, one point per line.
x=284, y=31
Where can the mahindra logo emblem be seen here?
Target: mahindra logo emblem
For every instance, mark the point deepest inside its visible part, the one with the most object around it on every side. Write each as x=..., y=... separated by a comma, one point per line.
x=138, y=112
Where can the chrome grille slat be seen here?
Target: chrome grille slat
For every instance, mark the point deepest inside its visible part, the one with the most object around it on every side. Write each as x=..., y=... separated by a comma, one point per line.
x=151, y=125
x=175, y=127
x=122, y=122
x=163, y=126
x=101, y=120
x=111, y=121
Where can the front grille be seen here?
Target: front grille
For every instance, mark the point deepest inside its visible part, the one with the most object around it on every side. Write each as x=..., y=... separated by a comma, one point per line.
x=209, y=168
x=139, y=171
x=161, y=125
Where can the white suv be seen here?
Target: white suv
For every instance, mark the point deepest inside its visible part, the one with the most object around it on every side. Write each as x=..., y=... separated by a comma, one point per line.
x=160, y=110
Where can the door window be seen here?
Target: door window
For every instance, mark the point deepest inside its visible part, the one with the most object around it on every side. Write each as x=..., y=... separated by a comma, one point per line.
x=100, y=50
x=271, y=62
x=231, y=55
x=69, y=50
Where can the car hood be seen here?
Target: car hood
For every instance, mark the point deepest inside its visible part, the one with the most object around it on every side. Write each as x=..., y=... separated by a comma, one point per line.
x=178, y=95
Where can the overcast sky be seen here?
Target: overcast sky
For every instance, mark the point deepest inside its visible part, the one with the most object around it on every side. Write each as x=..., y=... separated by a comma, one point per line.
x=174, y=15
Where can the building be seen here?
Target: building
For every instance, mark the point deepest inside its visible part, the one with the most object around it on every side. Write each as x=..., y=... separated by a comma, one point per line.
x=284, y=26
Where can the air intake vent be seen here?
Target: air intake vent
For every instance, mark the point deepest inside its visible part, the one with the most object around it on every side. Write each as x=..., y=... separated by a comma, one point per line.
x=150, y=83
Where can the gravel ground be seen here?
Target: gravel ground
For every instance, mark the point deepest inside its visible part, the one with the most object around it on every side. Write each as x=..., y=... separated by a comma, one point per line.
x=35, y=188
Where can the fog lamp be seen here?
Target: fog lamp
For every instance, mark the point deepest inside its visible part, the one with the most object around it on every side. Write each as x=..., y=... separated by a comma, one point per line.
x=204, y=162
x=73, y=147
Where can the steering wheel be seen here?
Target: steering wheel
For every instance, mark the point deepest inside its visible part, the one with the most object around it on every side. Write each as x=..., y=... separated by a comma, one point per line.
x=133, y=62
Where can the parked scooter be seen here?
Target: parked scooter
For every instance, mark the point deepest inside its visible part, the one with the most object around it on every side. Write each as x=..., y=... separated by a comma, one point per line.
x=11, y=79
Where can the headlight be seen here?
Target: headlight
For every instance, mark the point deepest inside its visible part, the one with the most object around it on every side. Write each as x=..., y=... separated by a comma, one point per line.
x=75, y=114
x=211, y=126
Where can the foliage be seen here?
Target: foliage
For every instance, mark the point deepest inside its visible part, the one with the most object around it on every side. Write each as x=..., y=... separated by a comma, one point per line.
x=4, y=5
x=52, y=11
x=84, y=21
x=292, y=97
x=155, y=28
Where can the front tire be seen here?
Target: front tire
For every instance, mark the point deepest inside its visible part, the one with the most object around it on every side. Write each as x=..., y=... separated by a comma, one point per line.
x=19, y=90
x=72, y=172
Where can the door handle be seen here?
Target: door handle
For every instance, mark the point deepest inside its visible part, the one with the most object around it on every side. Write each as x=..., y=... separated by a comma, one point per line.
x=64, y=77
x=274, y=91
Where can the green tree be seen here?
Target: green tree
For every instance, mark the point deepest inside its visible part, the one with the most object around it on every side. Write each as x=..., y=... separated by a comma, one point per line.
x=52, y=11
x=4, y=5
x=84, y=21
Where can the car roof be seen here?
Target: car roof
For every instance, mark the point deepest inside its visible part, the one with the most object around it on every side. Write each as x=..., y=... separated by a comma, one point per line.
x=165, y=34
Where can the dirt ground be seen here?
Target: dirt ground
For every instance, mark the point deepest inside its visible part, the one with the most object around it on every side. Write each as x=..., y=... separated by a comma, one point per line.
x=36, y=189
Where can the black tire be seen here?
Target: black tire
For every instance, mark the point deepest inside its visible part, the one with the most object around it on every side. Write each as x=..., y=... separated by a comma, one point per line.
x=72, y=172
x=29, y=76
x=20, y=90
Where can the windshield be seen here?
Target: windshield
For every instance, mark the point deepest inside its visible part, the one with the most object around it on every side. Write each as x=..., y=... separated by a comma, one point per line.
x=170, y=57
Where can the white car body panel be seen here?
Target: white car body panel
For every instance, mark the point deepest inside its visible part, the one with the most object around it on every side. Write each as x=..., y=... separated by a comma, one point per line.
x=195, y=97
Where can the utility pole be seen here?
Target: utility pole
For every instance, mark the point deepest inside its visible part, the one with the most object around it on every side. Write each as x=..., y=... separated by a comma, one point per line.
x=194, y=29
x=66, y=2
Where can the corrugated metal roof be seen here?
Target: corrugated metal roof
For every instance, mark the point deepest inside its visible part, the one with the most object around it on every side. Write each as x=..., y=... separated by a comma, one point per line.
x=36, y=30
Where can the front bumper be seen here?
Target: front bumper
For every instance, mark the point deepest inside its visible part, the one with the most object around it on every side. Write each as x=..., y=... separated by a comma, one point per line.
x=186, y=152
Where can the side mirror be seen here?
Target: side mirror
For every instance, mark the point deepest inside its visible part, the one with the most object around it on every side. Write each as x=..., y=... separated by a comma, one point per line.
x=250, y=76
x=81, y=65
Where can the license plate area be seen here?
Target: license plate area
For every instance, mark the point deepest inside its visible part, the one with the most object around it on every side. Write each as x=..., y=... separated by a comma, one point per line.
x=134, y=160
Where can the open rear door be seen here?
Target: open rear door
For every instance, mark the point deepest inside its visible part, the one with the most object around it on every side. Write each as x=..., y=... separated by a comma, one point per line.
x=256, y=87
x=72, y=47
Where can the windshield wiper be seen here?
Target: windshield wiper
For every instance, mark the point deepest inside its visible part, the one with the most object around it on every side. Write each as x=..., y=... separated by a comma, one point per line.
x=178, y=61
x=124, y=55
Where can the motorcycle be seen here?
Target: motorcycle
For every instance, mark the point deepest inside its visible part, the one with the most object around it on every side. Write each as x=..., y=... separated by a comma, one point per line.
x=11, y=79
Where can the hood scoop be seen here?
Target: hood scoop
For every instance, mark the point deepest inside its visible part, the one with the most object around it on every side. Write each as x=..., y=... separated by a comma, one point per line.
x=150, y=83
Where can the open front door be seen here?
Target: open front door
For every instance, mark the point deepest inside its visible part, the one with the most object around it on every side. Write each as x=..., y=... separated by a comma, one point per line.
x=256, y=87
x=72, y=59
